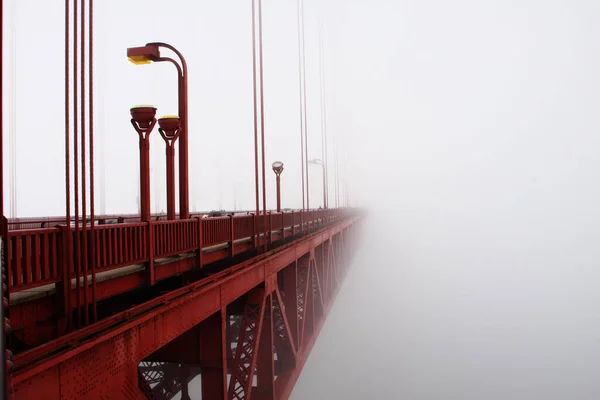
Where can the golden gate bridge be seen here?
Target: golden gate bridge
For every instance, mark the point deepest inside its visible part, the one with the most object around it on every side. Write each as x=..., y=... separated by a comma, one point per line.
x=136, y=306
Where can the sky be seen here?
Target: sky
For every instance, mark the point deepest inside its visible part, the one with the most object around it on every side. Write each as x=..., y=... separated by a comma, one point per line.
x=470, y=133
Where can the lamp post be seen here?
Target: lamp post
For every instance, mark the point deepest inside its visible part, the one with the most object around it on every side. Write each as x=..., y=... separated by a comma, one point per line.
x=170, y=130
x=317, y=161
x=151, y=53
x=278, y=169
x=143, y=121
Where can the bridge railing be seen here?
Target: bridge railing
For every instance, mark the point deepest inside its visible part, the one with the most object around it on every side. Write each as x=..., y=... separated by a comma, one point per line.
x=174, y=237
x=243, y=226
x=37, y=257
x=215, y=230
x=118, y=245
x=34, y=257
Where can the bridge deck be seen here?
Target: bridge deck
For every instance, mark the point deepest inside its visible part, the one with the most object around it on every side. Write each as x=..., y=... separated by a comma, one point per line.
x=288, y=292
x=36, y=302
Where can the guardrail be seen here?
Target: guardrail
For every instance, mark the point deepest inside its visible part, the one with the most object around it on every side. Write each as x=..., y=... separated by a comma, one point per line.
x=103, y=219
x=38, y=257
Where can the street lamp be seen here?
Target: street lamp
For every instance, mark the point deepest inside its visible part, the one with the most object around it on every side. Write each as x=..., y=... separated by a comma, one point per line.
x=151, y=53
x=317, y=161
x=170, y=129
x=278, y=169
x=143, y=121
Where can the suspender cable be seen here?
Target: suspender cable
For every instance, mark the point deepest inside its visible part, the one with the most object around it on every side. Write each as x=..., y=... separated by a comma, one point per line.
x=91, y=144
x=305, y=109
x=323, y=132
x=300, y=92
x=77, y=253
x=262, y=125
x=256, y=216
x=84, y=264
x=326, y=160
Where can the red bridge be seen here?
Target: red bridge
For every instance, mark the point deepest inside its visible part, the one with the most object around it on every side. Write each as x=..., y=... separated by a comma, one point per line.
x=137, y=306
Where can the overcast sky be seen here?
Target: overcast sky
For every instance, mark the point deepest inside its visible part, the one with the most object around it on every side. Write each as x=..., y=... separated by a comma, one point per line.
x=470, y=129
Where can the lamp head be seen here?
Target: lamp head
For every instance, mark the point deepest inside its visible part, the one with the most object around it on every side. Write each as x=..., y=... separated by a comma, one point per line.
x=277, y=167
x=143, y=55
x=143, y=115
x=169, y=126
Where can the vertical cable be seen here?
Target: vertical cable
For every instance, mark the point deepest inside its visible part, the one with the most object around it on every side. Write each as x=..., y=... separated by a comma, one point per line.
x=321, y=98
x=76, y=163
x=13, y=117
x=4, y=352
x=262, y=124
x=300, y=92
x=256, y=218
x=305, y=110
x=326, y=161
x=85, y=264
x=91, y=144
x=67, y=263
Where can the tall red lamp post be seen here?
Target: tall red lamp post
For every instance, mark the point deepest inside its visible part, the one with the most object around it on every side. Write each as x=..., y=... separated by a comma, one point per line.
x=170, y=130
x=143, y=121
x=278, y=169
x=151, y=53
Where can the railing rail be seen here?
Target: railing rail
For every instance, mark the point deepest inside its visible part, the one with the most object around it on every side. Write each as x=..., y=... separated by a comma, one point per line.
x=37, y=257
x=119, y=245
x=33, y=257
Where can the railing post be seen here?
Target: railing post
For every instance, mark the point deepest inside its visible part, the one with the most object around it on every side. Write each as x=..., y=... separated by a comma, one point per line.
x=150, y=273
x=269, y=231
x=255, y=230
x=231, y=237
x=200, y=243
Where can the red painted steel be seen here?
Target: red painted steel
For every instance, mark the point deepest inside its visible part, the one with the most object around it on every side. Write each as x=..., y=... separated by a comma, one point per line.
x=277, y=314
x=300, y=95
x=49, y=222
x=182, y=91
x=140, y=307
x=5, y=354
x=146, y=247
x=170, y=131
x=262, y=120
x=143, y=121
x=35, y=257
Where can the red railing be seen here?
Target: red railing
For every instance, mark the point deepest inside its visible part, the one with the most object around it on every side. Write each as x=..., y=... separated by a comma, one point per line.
x=120, y=245
x=174, y=237
x=275, y=221
x=243, y=226
x=34, y=257
x=51, y=222
x=37, y=257
x=216, y=230
x=288, y=219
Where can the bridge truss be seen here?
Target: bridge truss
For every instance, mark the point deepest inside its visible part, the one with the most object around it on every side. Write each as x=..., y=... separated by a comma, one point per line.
x=246, y=331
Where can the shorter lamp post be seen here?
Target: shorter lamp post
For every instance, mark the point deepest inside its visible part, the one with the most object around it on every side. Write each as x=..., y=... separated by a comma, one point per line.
x=317, y=161
x=143, y=121
x=170, y=129
x=278, y=169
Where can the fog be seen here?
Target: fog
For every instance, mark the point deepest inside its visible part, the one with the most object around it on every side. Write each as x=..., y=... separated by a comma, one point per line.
x=470, y=134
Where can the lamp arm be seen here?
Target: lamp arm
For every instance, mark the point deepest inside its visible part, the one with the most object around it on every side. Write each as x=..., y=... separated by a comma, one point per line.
x=174, y=50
